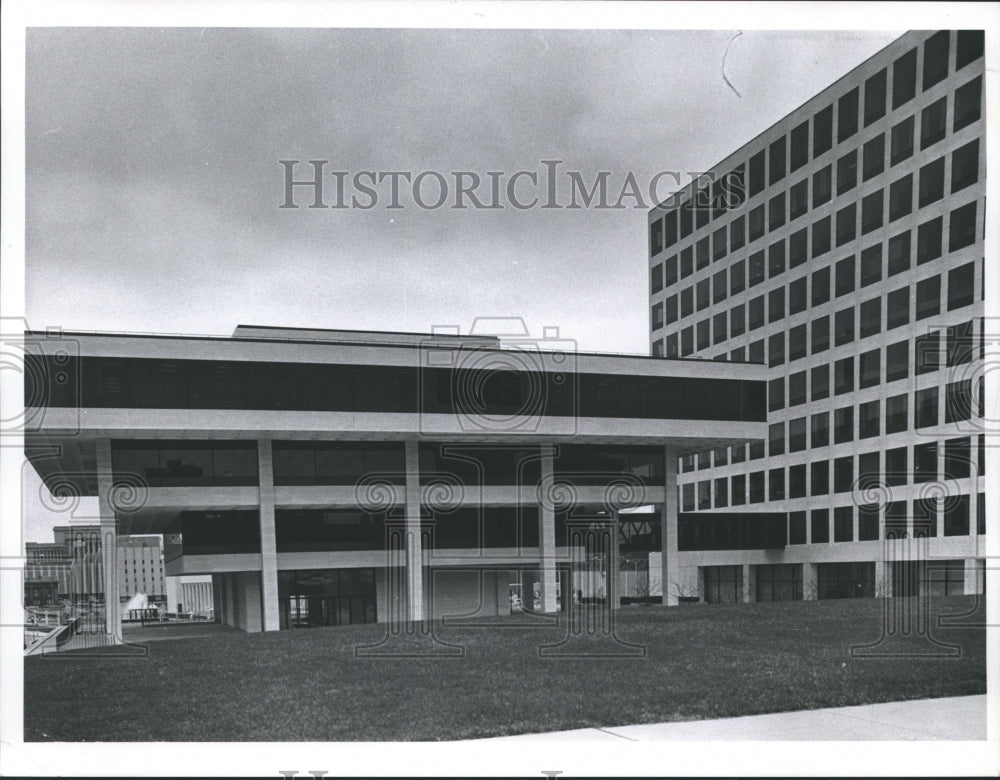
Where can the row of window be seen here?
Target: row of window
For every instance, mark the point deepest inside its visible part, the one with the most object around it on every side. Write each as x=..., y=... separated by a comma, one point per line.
x=770, y=165
x=930, y=187
x=868, y=420
x=901, y=306
x=849, y=273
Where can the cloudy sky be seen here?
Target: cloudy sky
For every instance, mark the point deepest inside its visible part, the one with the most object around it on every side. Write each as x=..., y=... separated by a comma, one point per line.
x=153, y=181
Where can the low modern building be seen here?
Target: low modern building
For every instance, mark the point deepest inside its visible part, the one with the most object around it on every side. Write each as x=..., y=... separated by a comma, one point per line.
x=331, y=477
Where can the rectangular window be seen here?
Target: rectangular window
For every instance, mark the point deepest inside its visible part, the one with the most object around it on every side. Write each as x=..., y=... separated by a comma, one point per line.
x=928, y=298
x=871, y=265
x=931, y=182
x=901, y=144
x=737, y=234
x=925, y=408
x=897, y=361
x=847, y=115
x=776, y=304
x=670, y=229
x=775, y=259
x=687, y=497
x=932, y=123
x=776, y=211
x=823, y=131
x=843, y=376
x=687, y=341
x=756, y=268
x=896, y=472
x=872, y=208
x=797, y=342
x=925, y=512
x=757, y=487
x=736, y=323
x=968, y=47
x=672, y=347
x=755, y=318
x=847, y=172
x=961, y=286
x=968, y=99
x=797, y=296
x=719, y=328
x=843, y=425
x=756, y=222
x=929, y=240
x=869, y=422
x=701, y=250
x=962, y=227
x=719, y=286
x=719, y=243
x=670, y=305
x=756, y=171
x=819, y=526
x=798, y=200
x=897, y=308
x=687, y=301
x=899, y=253
x=822, y=186
x=657, y=316
x=957, y=458
x=844, y=276
x=935, y=58
x=895, y=413
x=820, y=381
x=776, y=157
x=670, y=271
x=875, y=89
x=776, y=350
x=820, y=286
x=721, y=492
x=820, y=426
x=847, y=224
x=820, y=334
x=777, y=479
x=739, y=489
x=799, y=146
x=843, y=326
x=687, y=262
x=797, y=244
x=656, y=278
x=927, y=353
x=901, y=197
x=704, y=335
x=819, y=474
x=776, y=394
x=958, y=401
x=868, y=523
x=756, y=351
x=656, y=237
x=956, y=516
x=843, y=474
x=797, y=388
x=871, y=317
x=965, y=166
x=797, y=520
x=904, y=78
x=705, y=494
x=873, y=157
x=737, y=277
x=869, y=368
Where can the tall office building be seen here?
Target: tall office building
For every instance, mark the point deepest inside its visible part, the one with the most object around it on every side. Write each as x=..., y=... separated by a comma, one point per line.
x=843, y=247
x=140, y=564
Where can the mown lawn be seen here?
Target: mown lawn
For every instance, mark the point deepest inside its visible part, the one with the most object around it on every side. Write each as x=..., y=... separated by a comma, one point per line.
x=701, y=661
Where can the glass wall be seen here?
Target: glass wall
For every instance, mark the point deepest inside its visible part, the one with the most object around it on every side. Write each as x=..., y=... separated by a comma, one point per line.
x=311, y=598
x=187, y=463
x=337, y=463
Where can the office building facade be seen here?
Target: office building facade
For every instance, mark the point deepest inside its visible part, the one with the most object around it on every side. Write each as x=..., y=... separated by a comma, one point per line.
x=331, y=477
x=843, y=249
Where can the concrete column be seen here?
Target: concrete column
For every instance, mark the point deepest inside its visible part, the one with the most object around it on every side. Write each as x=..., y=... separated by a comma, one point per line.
x=217, y=598
x=670, y=576
x=810, y=584
x=109, y=541
x=974, y=577
x=883, y=579
x=547, y=539
x=749, y=584
x=268, y=544
x=414, y=544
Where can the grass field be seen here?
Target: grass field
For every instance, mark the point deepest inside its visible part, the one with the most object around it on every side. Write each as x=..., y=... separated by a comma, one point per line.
x=705, y=661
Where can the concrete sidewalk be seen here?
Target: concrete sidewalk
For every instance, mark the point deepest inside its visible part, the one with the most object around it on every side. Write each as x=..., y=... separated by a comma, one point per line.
x=956, y=718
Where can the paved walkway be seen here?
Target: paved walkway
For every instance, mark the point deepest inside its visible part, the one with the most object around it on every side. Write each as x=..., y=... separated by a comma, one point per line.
x=956, y=718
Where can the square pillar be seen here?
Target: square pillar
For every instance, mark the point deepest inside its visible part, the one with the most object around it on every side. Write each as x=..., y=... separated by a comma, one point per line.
x=268, y=544
x=547, y=539
x=414, y=543
x=668, y=530
x=810, y=585
x=975, y=576
x=749, y=584
x=109, y=541
x=883, y=578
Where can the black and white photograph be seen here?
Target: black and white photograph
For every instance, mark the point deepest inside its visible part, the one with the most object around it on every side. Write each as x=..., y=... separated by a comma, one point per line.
x=488, y=388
